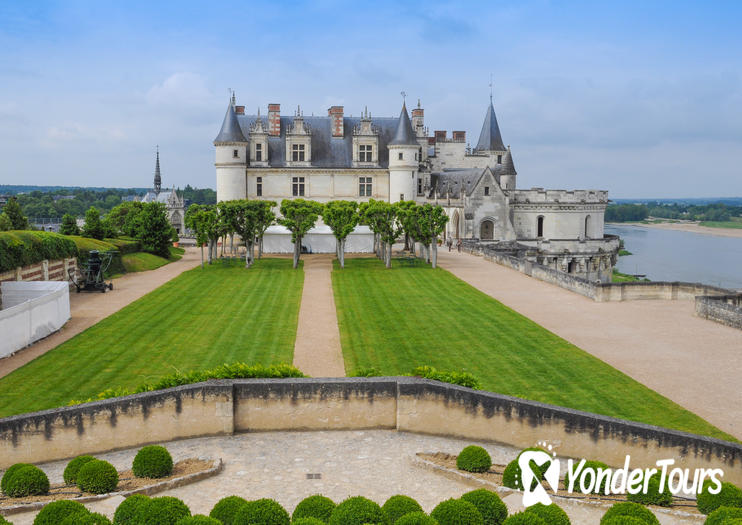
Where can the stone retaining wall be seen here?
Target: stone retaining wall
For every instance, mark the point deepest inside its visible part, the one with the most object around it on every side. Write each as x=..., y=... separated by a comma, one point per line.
x=401, y=403
x=725, y=309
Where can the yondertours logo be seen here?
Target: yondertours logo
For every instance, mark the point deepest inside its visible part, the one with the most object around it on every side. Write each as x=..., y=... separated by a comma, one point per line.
x=537, y=466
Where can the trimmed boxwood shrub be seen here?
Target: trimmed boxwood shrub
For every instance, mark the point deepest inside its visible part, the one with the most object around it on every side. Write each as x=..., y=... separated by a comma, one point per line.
x=456, y=512
x=70, y=471
x=262, y=512
x=729, y=496
x=511, y=476
x=198, y=519
x=57, y=511
x=226, y=508
x=3, y=521
x=128, y=509
x=552, y=514
x=27, y=481
x=489, y=505
x=722, y=515
x=357, y=511
x=653, y=495
x=623, y=520
x=97, y=477
x=416, y=518
x=9, y=474
x=633, y=510
x=524, y=518
x=399, y=505
x=307, y=521
x=153, y=461
x=316, y=506
x=86, y=519
x=474, y=459
x=165, y=510
x=594, y=465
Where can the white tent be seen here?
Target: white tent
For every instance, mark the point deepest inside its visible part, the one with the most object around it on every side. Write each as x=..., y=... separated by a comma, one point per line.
x=277, y=239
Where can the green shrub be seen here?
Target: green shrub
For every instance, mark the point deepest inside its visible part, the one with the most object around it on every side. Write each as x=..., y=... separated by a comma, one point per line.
x=226, y=508
x=86, y=519
x=723, y=515
x=198, y=519
x=525, y=518
x=416, y=518
x=153, y=461
x=399, y=505
x=27, y=481
x=128, y=510
x=307, y=521
x=512, y=476
x=456, y=512
x=551, y=514
x=22, y=248
x=165, y=510
x=357, y=511
x=369, y=371
x=316, y=506
x=3, y=521
x=262, y=512
x=474, y=459
x=632, y=510
x=538, y=469
x=623, y=520
x=456, y=378
x=594, y=465
x=57, y=511
x=653, y=495
x=729, y=496
x=70, y=471
x=489, y=505
x=9, y=474
x=97, y=477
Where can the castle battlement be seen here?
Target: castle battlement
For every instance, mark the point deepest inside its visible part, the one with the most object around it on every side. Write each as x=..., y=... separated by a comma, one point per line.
x=536, y=195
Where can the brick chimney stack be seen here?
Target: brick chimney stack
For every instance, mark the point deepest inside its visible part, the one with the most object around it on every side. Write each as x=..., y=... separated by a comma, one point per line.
x=274, y=120
x=440, y=136
x=336, y=114
x=459, y=136
x=240, y=110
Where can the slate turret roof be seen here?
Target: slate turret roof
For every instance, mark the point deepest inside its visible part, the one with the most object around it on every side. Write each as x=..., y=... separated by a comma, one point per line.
x=404, y=135
x=490, y=138
x=231, y=131
x=508, y=168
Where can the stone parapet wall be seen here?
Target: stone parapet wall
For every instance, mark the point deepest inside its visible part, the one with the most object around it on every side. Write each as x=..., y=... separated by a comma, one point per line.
x=725, y=309
x=402, y=403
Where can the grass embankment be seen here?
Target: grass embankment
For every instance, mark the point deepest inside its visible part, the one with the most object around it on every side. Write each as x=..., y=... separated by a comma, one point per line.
x=143, y=261
x=734, y=223
x=199, y=320
x=397, y=319
x=128, y=259
x=619, y=277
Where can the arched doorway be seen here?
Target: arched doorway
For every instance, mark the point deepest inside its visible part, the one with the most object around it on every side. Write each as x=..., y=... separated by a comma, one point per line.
x=487, y=230
x=455, y=223
x=540, y=226
x=587, y=227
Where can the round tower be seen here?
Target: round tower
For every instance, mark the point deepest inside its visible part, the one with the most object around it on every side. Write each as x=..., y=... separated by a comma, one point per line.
x=403, y=162
x=507, y=172
x=231, y=158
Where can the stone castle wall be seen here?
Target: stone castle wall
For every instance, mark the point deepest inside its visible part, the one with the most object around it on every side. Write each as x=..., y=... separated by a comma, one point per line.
x=724, y=309
x=397, y=403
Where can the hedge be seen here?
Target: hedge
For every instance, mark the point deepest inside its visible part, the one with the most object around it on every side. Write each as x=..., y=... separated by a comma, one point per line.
x=92, y=518
x=57, y=511
x=226, y=508
x=474, y=459
x=416, y=518
x=262, y=512
x=97, y=477
x=427, y=372
x=551, y=514
x=307, y=521
x=152, y=461
x=317, y=506
x=399, y=505
x=73, y=467
x=489, y=505
x=198, y=519
x=27, y=481
x=86, y=244
x=525, y=518
x=633, y=510
x=358, y=511
x=457, y=512
x=23, y=248
x=722, y=515
x=594, y=466
x=653, y=495
x=165, y=510
x=127, y=511
x=729, y=496
x=9, y=474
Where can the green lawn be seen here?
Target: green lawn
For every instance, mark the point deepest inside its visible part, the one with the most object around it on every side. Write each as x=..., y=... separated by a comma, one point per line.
x=397, y=319
x=143, y=261
x=735, y=223
x=619, y=277
x=201, y=319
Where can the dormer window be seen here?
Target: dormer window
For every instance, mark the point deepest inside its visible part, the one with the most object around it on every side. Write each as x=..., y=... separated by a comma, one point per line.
x=401, y=156
x=258, y=152
x=365, y=153
x=486, y=190
x=235, y=154
x=297, y=152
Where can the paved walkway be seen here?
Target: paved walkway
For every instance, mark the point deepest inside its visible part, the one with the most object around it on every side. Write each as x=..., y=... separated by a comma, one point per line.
x=89, y=308
x=662, y=344
x=317, y=349
x=373, y=463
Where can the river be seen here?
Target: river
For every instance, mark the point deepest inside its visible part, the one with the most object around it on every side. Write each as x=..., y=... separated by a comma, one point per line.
x=669, y=255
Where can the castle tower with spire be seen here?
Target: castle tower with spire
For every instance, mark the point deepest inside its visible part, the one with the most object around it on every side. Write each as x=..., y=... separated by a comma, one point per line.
x=403, y=161
x=231, y=157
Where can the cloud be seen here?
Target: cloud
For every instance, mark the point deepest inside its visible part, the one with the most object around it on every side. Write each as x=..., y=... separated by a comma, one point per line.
x=180, y=89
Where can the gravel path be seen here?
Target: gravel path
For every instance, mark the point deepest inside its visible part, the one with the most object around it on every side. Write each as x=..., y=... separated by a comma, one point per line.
x=662, y=344
x=317, y=349
x=89, y=308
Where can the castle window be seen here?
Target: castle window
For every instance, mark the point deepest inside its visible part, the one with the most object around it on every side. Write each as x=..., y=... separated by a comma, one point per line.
x=236, y=154
x=419, y=186
x=364, y=186
x=259, y=190
x=365, y=153
x=540, y=226
x=297, y=184
x=499, y=159
x=486, y=190
x=258, y=152
x=297, y=152
x=401, y=156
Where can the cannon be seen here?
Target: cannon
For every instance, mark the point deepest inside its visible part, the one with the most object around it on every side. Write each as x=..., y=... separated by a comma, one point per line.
x=91, y=273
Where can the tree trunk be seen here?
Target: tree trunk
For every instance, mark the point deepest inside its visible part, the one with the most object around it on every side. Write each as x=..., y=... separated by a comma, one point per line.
x=248, y=254
x=297, y=251
x=211, y=252
x=388, y=255
x=231, y=245
x=434, y=258
x=202, y=256
x=342, y=253
x=224, y=241
x=260, y=247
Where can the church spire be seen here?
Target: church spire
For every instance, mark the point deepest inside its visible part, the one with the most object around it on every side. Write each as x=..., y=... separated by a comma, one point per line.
x=490, y=138
x=158, y=179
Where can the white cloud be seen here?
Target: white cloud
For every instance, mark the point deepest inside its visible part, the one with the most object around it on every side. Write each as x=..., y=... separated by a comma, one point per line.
x=180, y=89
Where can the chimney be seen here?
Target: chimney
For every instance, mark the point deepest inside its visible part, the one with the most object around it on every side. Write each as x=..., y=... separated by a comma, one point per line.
x=240, y=110
x=459, y=136
x=418, y=115
x=336, y=115
x=440, y=136
x=274, y=120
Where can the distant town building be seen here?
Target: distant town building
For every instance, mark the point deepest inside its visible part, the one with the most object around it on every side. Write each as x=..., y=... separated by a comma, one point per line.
x=174, y=204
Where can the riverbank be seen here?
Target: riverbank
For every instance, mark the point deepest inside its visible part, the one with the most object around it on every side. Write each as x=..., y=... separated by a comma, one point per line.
x=692, y=227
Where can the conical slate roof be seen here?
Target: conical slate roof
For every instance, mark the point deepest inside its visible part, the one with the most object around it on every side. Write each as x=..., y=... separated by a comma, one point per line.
x=404, y=134
x=508, y=168
x=231, y=131
x=490, y=138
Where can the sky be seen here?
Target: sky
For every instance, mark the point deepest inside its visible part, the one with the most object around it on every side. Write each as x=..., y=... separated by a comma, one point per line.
x=643, y=99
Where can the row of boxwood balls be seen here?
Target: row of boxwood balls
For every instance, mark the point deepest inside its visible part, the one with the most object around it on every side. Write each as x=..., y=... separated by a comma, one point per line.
x=88, y=473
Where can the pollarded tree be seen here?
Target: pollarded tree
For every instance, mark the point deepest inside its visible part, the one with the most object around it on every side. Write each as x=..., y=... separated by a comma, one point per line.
x=154, y=230
x=228, y=218
x=342, y=217
x=93, y=226
x=13, y=212
x=382, y=218
x=69, y=225
x=265, y=218
x=246, y=225
x=195, y=219
x=299, y=216
x=432, y=221
x=407, y=217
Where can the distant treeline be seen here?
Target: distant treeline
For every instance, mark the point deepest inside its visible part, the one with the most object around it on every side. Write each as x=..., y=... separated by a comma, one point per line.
x=197, y=195
x=639, y=212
